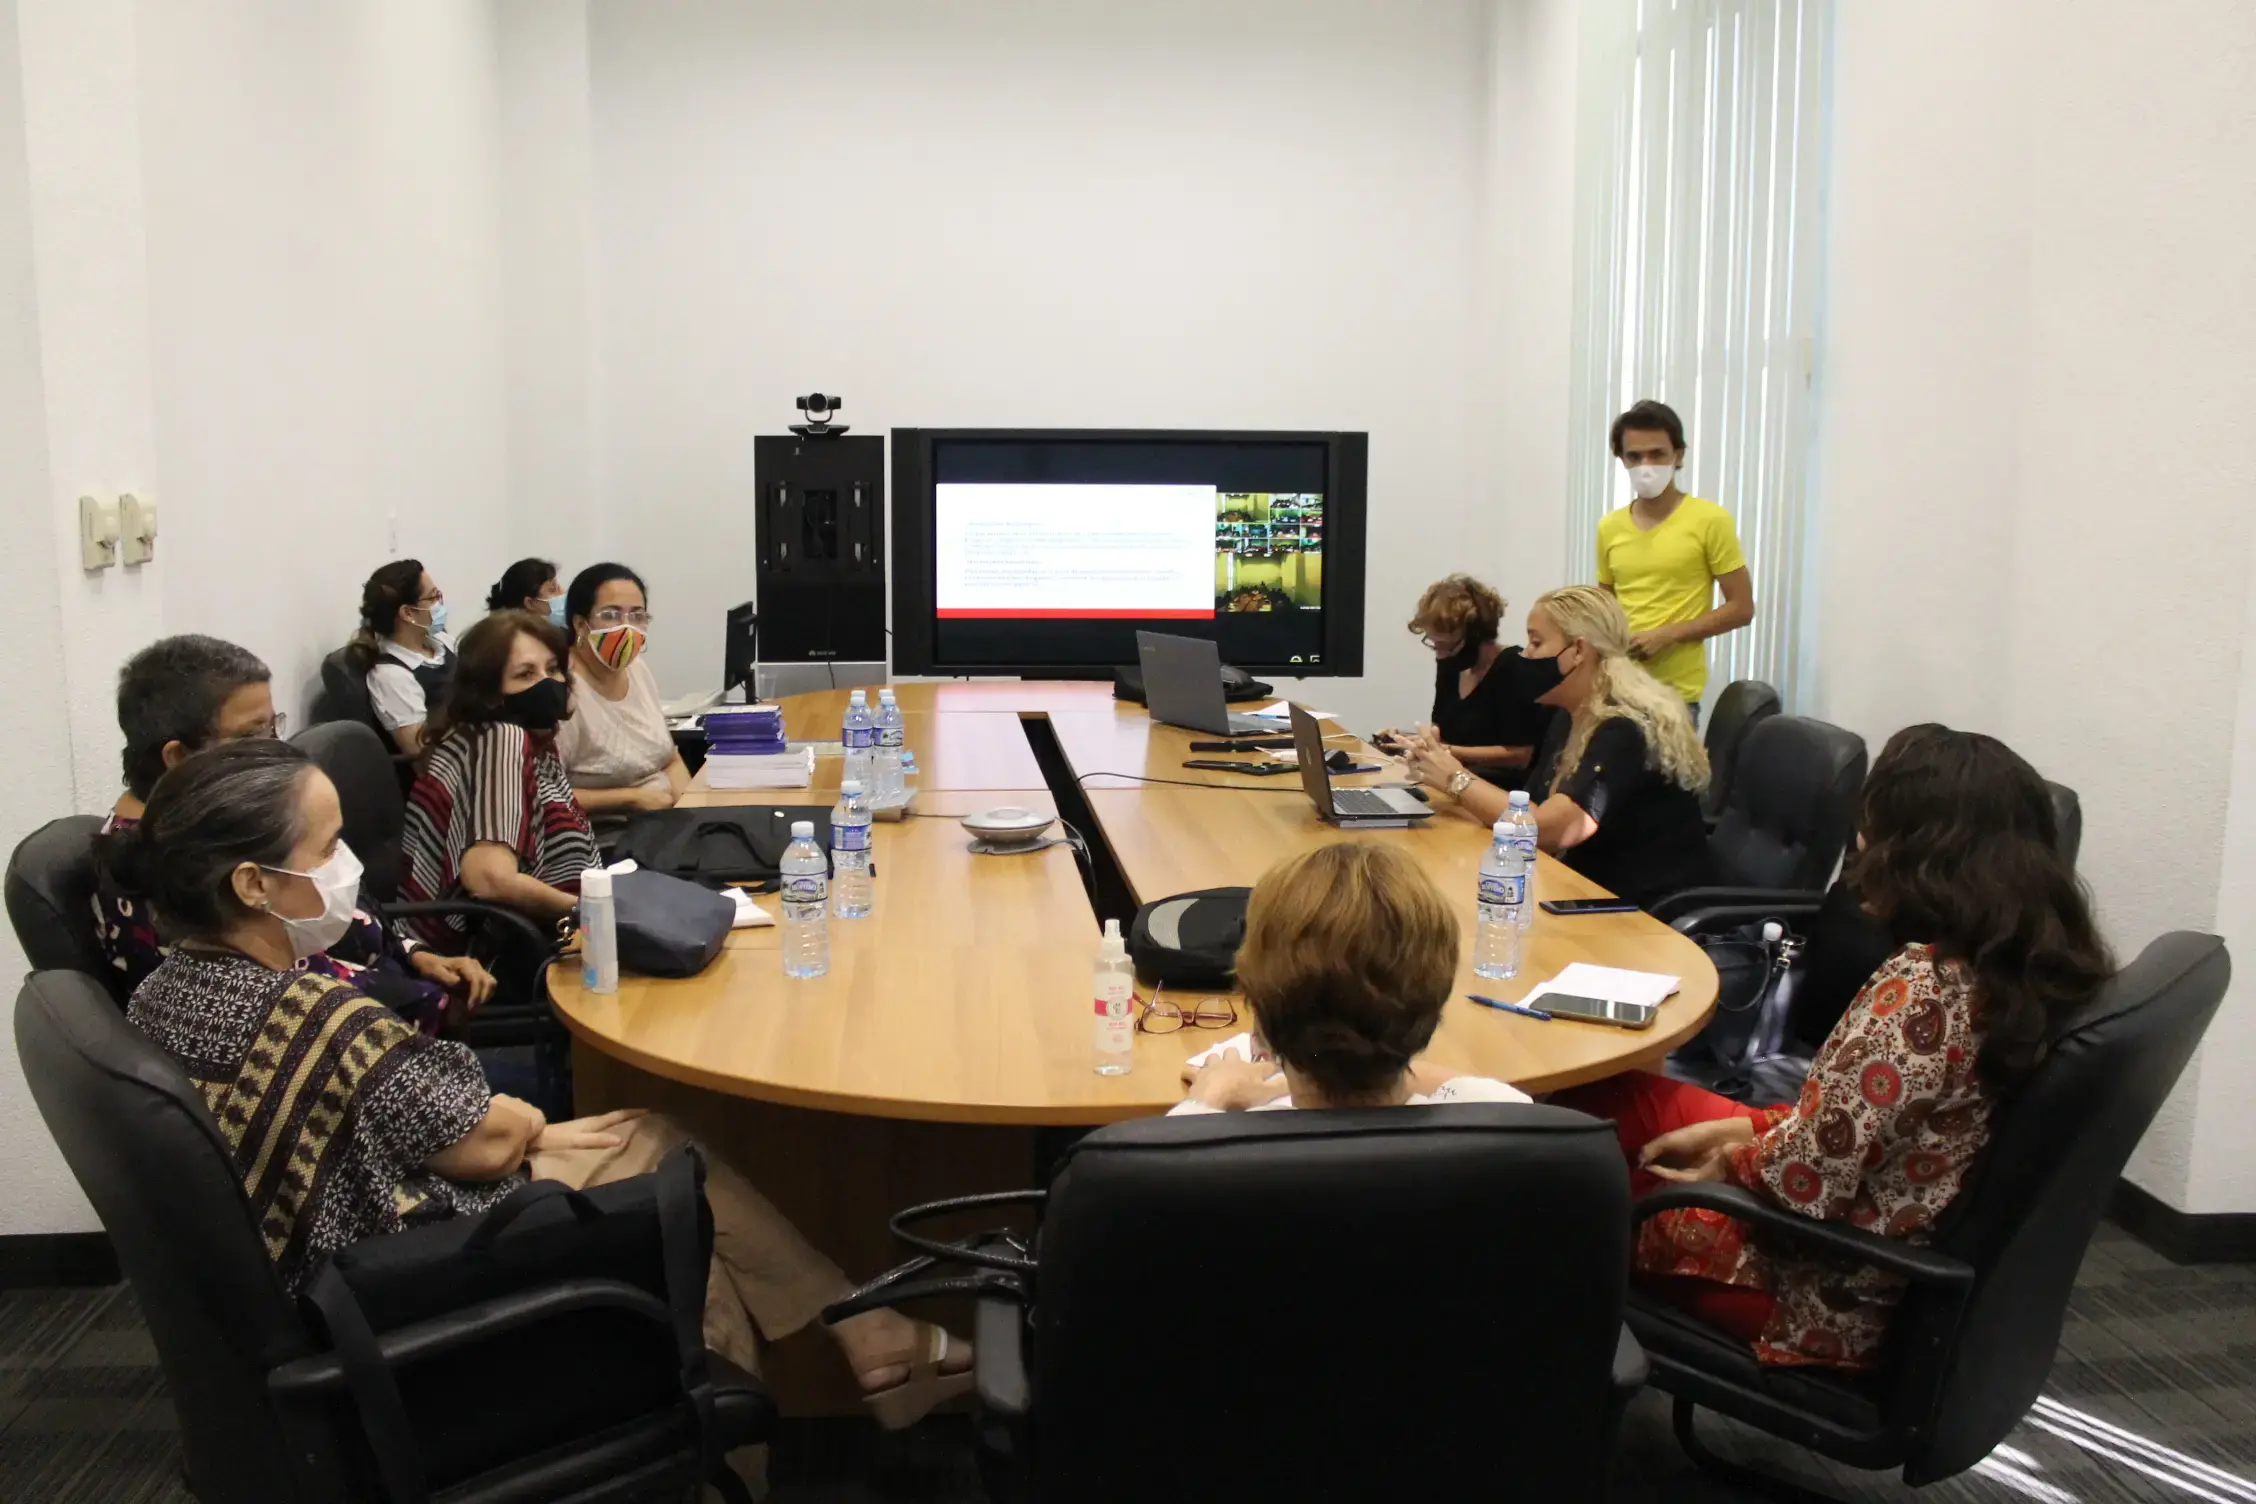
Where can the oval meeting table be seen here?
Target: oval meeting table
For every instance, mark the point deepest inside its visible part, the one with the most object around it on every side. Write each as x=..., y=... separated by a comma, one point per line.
x=955, y=1023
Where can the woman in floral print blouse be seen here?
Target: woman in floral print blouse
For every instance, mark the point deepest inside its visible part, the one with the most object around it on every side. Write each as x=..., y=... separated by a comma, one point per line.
x=1957, y=856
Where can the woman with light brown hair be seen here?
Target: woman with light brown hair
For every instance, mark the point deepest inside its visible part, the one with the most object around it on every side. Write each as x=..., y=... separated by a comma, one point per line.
x=1348, y=958
x=1617, y=784
x=1484, y=709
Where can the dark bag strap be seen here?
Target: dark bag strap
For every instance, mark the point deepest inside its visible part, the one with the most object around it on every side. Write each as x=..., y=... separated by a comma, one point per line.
x=679, y=1176
x=383, y=1414
x=521, y=1200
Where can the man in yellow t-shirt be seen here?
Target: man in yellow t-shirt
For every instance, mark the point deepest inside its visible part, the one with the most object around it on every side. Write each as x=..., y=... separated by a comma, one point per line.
x=1666, y=555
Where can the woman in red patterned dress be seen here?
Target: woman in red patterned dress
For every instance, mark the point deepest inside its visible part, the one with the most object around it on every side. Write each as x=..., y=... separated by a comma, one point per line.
x=1957, y=856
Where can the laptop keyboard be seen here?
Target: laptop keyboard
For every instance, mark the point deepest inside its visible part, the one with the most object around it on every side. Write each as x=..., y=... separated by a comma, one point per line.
x=1361, y=802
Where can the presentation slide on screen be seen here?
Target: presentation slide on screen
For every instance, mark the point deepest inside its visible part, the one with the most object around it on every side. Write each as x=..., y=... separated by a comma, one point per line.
x=1074, y=551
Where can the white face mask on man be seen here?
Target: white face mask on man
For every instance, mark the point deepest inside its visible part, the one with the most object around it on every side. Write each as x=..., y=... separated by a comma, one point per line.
x=338, y=882
x=1649, y=481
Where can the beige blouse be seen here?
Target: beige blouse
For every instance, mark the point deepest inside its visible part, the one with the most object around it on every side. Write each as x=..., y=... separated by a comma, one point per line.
x=617, y=744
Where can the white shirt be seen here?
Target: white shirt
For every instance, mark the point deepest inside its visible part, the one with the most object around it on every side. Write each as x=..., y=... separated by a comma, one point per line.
x=394, y=691
x=1455, y=1089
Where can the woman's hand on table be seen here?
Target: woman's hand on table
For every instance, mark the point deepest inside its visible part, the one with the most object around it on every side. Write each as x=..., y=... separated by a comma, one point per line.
x=1430, y=761
x=1232, y=1083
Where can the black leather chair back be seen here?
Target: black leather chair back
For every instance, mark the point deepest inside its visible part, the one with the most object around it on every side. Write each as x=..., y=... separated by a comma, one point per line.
x=1742, y=703
x=343, y=696
x=137, y=1135
x=368, y=793
x=2067, y=819
x=1323, y=1305
x=1792, y=806
x=2038, y=1194
x=50, y=896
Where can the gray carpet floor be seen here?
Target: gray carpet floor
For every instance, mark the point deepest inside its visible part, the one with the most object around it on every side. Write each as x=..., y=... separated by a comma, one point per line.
x=2152, y=1398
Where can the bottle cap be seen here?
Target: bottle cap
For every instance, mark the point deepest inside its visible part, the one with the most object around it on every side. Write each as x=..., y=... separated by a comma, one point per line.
x=1113, y=944
x=1502, y=830
x=802, y=830
x=1519, y=799
x=849, y=788
x=857, y=698
x=885, y=697
x=595, y=882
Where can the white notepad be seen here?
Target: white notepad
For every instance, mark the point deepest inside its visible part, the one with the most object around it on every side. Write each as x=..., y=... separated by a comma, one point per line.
x=1608, y=983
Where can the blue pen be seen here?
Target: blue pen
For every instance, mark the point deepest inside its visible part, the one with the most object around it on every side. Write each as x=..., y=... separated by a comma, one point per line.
x=1521, y=1009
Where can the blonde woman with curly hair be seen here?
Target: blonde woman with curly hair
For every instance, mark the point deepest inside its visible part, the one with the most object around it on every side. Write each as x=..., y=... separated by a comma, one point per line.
x=1617, y=782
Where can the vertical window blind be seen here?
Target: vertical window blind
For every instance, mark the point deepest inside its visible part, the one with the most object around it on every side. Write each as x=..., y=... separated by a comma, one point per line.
x=1697, y=254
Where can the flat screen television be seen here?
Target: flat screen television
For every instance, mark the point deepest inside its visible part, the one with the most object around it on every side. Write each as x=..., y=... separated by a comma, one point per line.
x=1044, y=551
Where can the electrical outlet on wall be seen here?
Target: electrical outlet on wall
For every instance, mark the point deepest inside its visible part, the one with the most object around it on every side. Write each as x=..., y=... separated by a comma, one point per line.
x=97, y=533
x=137, y=524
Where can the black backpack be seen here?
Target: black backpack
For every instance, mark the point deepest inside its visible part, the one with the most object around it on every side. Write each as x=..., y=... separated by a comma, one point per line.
x=1191, y=939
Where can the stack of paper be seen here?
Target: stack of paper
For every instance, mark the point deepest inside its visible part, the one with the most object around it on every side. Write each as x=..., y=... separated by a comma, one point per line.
x=1606, y=983
x=752, y=770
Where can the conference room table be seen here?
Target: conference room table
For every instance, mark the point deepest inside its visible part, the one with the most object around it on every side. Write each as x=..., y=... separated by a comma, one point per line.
x=951, y=1040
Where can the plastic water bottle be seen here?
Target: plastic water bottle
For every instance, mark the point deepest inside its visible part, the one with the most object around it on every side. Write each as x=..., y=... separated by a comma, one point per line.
x=1503, y=893
x=1116, y=1004
x=599, y=932
x=892, y=732
x=850, y=887
x=1521, y=816
x=858, y=732
x=806, y=904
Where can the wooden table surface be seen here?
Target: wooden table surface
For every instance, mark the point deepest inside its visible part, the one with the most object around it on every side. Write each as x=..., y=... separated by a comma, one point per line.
x=964, y=998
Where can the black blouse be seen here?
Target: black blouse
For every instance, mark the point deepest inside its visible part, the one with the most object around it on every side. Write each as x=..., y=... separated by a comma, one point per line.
x=1651, y=839
x=1498, y=713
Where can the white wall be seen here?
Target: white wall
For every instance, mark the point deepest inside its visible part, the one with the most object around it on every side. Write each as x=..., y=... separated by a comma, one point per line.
x=2038, y=371
x=1264, y=213
x=37, y=1193
x=324, y=233
x=250, y=266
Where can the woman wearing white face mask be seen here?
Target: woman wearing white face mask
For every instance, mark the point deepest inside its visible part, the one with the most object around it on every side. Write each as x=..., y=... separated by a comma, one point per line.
x=240, y=852
x=1617, y=781
x=402, y=649
x=616, y=746
x=1667, y=555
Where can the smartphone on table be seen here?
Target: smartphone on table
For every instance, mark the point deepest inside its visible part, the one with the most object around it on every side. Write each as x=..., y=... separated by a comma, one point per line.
x=1599, y=1010
x=1568, y=908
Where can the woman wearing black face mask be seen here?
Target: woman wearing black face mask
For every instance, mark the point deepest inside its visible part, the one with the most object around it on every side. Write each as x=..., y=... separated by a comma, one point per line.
x=1483, y=710
x=492, y=815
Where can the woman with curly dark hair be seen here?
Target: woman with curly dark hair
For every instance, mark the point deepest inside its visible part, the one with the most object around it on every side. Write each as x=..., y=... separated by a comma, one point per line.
x=1957, y=858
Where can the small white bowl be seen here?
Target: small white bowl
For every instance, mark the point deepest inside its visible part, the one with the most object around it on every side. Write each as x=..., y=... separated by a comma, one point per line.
x=1009, y=825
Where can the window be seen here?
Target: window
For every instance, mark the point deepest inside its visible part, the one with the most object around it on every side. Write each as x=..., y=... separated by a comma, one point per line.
x=1697, y=255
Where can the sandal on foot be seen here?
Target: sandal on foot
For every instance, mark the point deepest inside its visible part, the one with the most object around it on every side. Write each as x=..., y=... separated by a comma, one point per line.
x=899, y=1406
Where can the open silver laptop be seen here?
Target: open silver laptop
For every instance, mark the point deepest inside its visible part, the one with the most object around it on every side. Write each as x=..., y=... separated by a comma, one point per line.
x=1183, y=686
x=1347, y=807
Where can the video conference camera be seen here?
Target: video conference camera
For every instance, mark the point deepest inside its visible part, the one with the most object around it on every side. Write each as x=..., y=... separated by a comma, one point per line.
x=817, y=408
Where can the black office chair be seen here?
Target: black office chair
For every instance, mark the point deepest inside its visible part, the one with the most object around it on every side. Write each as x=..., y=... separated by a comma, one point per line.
x=1305, y=1305
x=1791, y=810
x=375, y=817
x=1742, y=703
x=266, y=1416
x=50, y=897
x=1974, y=1339
x=1801, y=988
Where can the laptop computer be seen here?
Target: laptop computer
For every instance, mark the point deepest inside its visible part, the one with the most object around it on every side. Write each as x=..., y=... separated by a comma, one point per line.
x=1183, y=686
x=1350, y=808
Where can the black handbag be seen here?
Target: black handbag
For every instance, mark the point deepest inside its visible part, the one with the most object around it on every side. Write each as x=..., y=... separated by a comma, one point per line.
x=570, y=1377
x=719, y=845
x=1191, y=939
x=668, y=927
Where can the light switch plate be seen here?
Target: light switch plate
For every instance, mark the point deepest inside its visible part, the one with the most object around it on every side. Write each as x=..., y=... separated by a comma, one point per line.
x=137, y=526
x=97, y=533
